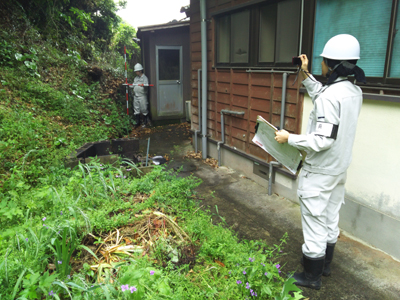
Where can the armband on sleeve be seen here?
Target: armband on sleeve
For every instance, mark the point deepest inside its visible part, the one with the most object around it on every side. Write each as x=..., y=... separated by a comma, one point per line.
x=327, y=130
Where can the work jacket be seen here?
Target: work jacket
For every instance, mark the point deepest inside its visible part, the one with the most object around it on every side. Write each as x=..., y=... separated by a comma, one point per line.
x=336, y=106
x=140, y=92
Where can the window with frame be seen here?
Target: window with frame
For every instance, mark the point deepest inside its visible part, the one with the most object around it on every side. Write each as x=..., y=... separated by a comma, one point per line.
x=376, y=26
x=261, y=35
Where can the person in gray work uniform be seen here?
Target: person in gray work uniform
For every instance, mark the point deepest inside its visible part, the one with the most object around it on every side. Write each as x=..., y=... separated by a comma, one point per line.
x=140, y=96
x=328, y=143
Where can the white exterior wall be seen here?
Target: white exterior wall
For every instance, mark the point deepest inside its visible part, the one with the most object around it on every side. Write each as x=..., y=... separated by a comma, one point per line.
x=374, y=174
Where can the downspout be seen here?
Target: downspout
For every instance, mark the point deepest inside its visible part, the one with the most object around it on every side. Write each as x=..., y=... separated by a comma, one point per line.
x=199, y=107
x=283, y=102
x=275, y=164
x=204, y=76
x=301, y=26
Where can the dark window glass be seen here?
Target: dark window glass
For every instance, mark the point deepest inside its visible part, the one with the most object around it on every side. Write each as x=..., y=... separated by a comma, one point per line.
x=273, y=38
x=168, y=61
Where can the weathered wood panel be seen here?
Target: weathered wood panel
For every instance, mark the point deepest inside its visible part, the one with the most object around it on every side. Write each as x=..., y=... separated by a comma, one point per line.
x=236, y=89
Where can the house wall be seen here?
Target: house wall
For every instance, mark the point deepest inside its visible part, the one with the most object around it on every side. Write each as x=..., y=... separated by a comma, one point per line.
x=372, y=202
x=373, y=178
x=166, y=37
x=238, y=90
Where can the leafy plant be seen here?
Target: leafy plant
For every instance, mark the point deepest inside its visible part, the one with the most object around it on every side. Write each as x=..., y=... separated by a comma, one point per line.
x=64, y=248
x=30, y=61
x=37, y=285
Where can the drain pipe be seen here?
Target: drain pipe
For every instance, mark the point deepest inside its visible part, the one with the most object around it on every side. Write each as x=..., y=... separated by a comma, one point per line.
x=231, y=112
x=204, y=76
x=275, y=164
x=271, y=175
x=283, y=102
x=199, y=108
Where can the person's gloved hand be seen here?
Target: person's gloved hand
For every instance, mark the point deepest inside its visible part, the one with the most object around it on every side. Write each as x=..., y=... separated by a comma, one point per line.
x=281, y=136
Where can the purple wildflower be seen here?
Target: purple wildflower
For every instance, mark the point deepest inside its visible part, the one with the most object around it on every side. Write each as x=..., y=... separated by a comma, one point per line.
x=129, y=170
x=266, y=273
x=44, y=219
x=151, y=272
x=124, y=287
x=244, y=272
x=133, y=289
x=26, y=239
x=278, y=266
x=247, y=285
x=59, y=262
x=238, y=282
x=60, y=212
x=51, y=293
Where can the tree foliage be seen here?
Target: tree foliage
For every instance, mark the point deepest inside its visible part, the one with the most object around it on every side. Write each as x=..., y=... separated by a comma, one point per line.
x=94, y=21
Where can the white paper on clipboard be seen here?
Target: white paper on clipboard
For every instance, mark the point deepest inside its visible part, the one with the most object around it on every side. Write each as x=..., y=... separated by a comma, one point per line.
x=287, y=155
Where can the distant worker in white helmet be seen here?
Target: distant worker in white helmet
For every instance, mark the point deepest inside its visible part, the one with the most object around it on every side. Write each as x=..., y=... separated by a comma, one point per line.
x=140, y=96
x=328, y=143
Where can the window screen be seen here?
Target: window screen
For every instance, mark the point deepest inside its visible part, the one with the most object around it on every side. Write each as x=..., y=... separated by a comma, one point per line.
x=367, y=20
x=395, y=63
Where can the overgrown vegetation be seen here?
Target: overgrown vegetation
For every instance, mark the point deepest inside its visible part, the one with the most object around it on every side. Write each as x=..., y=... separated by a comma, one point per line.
x=96, y=232
x=173, y=251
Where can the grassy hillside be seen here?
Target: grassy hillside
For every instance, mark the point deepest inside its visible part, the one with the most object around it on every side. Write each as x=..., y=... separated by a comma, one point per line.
x=52, y=100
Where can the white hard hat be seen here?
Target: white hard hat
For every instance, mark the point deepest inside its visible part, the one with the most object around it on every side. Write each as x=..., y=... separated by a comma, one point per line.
x=342, y=47
x=138, y=67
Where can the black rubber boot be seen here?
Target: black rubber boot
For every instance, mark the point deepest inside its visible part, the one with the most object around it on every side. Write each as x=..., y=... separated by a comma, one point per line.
x=137, y=118
x=328, y=259
x=144, y=125
x=311, y=276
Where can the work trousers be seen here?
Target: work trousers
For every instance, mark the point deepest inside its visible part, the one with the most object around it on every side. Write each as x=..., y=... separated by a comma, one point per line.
x=321, y=197
x=140, y=105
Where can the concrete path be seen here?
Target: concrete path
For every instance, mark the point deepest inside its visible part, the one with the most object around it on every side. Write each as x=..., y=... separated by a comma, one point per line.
x=358, y=271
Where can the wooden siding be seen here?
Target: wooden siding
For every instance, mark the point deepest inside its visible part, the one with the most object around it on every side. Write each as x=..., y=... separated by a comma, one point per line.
x=235, y=89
